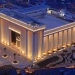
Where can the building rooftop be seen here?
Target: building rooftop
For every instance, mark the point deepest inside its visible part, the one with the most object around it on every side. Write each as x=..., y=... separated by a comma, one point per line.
x=51, y=21
x=32, y=9
x=26, y=15
x=20, y=16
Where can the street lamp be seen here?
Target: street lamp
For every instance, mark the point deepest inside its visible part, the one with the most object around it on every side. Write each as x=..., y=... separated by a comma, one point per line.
x=5, y=55
x=15, y=62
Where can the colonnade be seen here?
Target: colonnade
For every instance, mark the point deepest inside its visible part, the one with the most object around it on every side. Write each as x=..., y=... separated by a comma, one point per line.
x=34, y=43
x=54, y=41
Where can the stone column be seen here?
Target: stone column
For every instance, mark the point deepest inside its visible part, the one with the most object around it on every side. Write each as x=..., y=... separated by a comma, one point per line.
x=0, y=29
x=62, y=37
x=23, y=41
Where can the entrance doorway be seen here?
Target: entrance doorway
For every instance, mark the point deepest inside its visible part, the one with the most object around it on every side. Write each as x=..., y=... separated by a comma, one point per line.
x=15, y=38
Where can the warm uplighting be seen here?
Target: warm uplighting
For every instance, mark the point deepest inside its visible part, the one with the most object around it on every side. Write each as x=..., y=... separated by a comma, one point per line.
x=38, y=58
x=54, y=49
x=5, y=42
x=64, y=46
x=29, y=70
x=23, y=52
x=49, y=52
x=68, y=44
x=26, y=70
x=15, y=30
x=44, y=54
x=18, y=71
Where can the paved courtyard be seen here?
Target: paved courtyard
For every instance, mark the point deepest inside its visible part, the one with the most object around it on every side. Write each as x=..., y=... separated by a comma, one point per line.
x=22, y=61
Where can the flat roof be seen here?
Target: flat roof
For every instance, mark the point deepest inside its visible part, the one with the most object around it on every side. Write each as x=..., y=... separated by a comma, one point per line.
x=18, y=12
x=51, y=21
x=32, y=9
x=20, y=16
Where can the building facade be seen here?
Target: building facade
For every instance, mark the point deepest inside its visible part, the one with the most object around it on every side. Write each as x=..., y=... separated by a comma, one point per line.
x=22, y=37
x=34, y=41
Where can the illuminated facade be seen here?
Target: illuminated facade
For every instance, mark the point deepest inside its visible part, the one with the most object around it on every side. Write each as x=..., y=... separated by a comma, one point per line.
x=21, y=36
x=34, y=40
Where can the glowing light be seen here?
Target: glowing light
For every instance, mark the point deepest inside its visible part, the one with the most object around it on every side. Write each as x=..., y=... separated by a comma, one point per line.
x=26, y=70
x=38, y=57
x=64, y=46
x=54, y=49
x=23, y=52
x=5, y=56
x=2, y=41
x=44, y=53
x=68, y=44
x=62, y=13
x=49, y=51
x=15, y=30
x=15, y=62
x=49, y=11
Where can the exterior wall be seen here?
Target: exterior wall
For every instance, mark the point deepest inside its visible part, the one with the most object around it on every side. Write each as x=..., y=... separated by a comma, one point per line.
x=6, y=28
x=23, y=44
x=50, y=43
x=69, y=36
x=73, y=35
x=35, y=43
x=46, y=44
x=60, y=39
x=64, y=37
x=31, y=43
x=38, y=44
x=56, y=40
x=5, y=31
x=0, y=29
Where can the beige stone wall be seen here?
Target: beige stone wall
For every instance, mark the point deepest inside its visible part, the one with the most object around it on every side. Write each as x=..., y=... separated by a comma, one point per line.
x=59, y=39
x=0, y=29
x=31, y=43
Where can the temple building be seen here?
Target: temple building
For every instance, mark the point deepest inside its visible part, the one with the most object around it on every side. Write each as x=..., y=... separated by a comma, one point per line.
x=33, y=31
